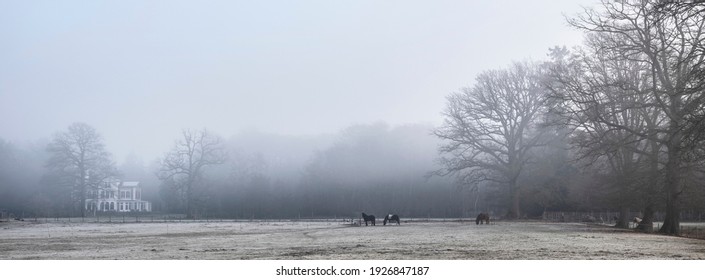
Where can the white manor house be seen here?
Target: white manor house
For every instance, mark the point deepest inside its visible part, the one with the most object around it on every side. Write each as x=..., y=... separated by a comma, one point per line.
x=117, y=196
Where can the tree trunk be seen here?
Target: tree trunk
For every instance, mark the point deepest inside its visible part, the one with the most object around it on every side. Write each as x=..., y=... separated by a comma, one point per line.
x=515, y=205
x=189, y=212
x=189, y=197
x=671, y=224
x=514, y=211
x=82, y=203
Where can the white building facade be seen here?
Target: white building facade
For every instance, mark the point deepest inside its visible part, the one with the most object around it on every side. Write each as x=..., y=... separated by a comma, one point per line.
x=117, y=196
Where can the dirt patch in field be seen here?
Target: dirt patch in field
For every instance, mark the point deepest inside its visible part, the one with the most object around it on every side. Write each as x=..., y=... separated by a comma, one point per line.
x=331, y=240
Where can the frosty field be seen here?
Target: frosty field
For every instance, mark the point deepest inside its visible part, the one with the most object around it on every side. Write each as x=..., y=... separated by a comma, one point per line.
x=336, y=240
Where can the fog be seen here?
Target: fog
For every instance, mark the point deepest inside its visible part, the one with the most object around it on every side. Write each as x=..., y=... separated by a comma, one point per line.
x=141, y=72
x=319, y=109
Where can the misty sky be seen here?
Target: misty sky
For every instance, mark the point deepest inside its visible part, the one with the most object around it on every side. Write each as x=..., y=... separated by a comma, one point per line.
x=140, y=71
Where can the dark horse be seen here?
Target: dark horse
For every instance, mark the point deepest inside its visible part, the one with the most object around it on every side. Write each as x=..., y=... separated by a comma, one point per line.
x=390, y=218
x=482, y=218
x=368, y=218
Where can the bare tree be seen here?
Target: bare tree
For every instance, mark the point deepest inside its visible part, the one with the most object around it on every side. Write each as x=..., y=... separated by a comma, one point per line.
x=183, y=167
x=489, y=129
x=668, y=36
x=601, y=98
x=80, y=161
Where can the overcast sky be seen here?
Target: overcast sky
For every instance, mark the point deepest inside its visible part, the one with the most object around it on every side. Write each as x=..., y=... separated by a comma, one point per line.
x=140, y=71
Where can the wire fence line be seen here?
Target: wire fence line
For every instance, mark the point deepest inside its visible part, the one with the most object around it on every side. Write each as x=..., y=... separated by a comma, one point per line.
x=611, y=217
x=131, y=218
x=692, y=222
x=605, y=217
x=692, y=225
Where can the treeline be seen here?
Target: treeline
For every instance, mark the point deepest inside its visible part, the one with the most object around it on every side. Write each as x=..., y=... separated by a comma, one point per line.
x=365, y=168
x=629, y=104
x=371, y=168
x=375, y=168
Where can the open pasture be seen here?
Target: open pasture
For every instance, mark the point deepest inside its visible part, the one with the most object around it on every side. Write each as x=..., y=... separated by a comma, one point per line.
x=336, y=240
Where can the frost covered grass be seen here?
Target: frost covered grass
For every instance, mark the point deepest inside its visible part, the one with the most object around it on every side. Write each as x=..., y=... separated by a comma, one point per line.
x=336, y=240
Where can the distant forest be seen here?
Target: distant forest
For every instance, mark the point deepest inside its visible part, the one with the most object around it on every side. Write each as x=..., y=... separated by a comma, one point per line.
x=616, y=124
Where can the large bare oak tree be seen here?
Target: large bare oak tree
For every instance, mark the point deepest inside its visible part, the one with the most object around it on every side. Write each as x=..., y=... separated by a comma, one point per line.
x=489, y=129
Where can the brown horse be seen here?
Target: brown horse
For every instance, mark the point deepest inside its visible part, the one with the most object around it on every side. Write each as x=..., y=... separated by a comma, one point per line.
x=482, y=218
x=368, y=218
